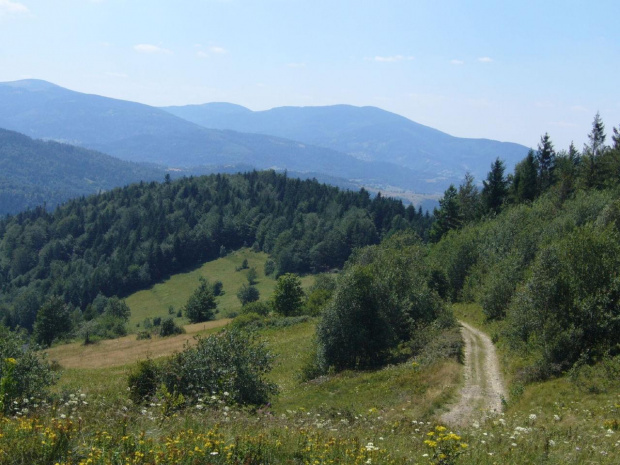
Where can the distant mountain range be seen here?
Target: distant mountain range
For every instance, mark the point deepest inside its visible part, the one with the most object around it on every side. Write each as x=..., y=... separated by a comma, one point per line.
x=35, y=172
x=367, y=133
x=347, y=145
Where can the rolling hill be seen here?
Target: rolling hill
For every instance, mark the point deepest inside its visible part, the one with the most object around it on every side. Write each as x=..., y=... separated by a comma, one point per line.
x=367, y=133
x=141, y=133
x=34, y=172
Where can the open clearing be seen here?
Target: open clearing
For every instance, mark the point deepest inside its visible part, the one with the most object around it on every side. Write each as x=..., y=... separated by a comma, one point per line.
x=124, y=350
x=483, y=390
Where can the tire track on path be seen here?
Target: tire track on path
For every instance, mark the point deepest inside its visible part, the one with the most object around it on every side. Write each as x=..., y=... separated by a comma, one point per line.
x=481, y=395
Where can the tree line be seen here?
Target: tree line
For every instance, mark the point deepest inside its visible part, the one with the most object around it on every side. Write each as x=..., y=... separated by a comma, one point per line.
x=111, y=244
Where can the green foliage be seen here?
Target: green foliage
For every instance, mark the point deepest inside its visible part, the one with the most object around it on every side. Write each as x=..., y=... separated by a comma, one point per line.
x=170, y=328
x=23, y=372
x=382, y=299
x=247, y=294
x=270, y=267
x=570, y=306
x=53, y=320
x=232, y=364
x=251, y=276
x=448, y=216
x=495, y=188
x=127, y=239
x=117, y=308
x=143, y=381
x=259, y=307
x=201, y=304
x=288, y=295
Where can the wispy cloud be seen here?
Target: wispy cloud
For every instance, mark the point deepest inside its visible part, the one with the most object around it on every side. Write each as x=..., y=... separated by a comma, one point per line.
x=217, y=50
x=457, y=62
x=149, y=48
x=390, y=59
x=485, y=60
x=116, y=75
x=8, y=7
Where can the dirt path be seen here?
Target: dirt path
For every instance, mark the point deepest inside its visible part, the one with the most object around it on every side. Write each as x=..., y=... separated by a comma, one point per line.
x=483, y=390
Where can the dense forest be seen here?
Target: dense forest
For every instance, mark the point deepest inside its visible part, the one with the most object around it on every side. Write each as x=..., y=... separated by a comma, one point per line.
x=37, y=172
x=111, y=244
x=539, y=251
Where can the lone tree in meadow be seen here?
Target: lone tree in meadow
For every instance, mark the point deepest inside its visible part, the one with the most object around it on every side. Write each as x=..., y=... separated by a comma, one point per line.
x=53, y=320
x=201, y=304
x=288, y=295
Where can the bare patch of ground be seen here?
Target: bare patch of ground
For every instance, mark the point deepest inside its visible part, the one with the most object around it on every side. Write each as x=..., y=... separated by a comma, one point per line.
x=483, y=391
x=124, y=350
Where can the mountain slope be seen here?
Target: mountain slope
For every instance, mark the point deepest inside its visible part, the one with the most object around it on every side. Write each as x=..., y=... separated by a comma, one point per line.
x=367, y=133
x=137, y=132
x=33, y=172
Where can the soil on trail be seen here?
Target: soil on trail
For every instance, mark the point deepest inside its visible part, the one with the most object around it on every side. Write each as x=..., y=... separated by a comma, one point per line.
x=483, y=391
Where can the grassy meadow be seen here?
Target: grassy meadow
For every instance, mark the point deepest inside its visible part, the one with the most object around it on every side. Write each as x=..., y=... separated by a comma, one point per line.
x=386, y=416
x=174, y=291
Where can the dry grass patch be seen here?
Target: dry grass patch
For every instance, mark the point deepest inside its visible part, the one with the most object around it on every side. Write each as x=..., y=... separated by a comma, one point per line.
x=125, y=350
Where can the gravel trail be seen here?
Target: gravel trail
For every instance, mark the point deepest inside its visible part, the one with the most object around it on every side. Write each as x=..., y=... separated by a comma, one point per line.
x=483, y=391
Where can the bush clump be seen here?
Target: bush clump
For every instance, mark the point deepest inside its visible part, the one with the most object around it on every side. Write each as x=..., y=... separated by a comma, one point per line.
x=232, y=364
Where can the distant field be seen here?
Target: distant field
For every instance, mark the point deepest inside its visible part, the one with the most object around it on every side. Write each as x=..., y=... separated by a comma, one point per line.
x=175, y=291
x=122, y=351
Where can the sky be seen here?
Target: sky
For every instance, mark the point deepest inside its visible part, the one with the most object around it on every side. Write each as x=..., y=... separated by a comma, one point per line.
x=505, y=70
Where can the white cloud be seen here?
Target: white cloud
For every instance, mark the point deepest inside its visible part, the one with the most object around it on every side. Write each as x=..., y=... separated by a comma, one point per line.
x=201, y=54
x=8, y=7
x=217, y=50
x=485, y=60
x=390, y=59
x=457, y=62
x=149, y=48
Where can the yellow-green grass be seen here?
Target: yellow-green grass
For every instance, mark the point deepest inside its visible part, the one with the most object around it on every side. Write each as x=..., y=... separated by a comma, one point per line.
x=174, y=291
x=125, y=350
x=403, y=389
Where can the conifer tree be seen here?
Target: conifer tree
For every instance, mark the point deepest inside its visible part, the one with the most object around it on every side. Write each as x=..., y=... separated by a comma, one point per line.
x=545, y=156
x=495, y=188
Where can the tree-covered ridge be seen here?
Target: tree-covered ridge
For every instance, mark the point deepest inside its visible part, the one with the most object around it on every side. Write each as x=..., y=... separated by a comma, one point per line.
x=542, y=255
x=128, y=238
x=35, y=172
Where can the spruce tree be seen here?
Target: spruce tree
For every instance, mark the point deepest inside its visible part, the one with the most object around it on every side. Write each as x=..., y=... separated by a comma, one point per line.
x=545, y=156
x=495, y=188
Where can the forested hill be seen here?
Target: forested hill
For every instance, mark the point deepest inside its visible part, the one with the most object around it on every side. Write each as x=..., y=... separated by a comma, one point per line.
x=128, y=238
x=34, y=172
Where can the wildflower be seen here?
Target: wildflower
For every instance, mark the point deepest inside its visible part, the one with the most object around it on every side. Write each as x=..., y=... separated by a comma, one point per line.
x=532, y=417
x=556, y=417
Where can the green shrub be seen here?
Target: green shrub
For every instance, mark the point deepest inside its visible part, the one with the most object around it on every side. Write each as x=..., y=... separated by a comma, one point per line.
x=23, y=372
x=247, y=294
x=143, y=381
x=170, y=328
x=261, y=308
x=248, y=320
x=232, y=364
x=142, y=335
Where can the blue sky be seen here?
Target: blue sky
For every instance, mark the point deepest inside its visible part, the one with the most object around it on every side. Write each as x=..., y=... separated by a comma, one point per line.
x=503, y=70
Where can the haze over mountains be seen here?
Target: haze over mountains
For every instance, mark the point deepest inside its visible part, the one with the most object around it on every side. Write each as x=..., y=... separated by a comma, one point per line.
x=349, y=146
x=367, y=133
x=35, y=172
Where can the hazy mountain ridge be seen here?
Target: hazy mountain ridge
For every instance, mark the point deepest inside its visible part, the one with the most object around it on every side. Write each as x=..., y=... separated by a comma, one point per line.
x=141, y=133
x=368, y=133
x=34, y=172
